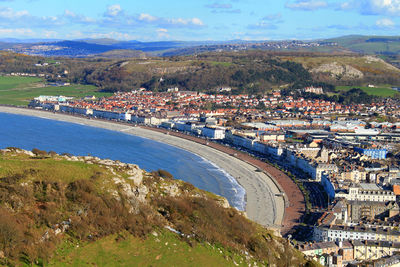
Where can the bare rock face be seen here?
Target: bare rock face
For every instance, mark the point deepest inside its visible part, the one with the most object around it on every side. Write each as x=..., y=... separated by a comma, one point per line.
x=224, y=203
x=135, y=174
x=142, y=192
x=171, y=190
x=372, y=59
x=138, y=193
x=337, y=70
x=4, y=151
x=29, y=153
x=107, y=162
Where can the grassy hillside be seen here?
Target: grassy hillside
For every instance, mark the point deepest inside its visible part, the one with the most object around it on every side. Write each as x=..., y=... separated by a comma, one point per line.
x=107, y=213
x=253, y=72
x=376, y=91
x=369, y=44
x=20, y=90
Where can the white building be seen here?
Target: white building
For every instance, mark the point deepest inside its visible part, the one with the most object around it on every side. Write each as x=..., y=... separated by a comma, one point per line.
x=125, y=116
x=106, y=114
x=367, y=192
x=213, y=132
x=324, y=168
x=337, y=233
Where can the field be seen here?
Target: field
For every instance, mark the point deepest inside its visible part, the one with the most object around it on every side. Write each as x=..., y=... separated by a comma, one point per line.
x=376, y=91
x=20, y=90
x=165, y=249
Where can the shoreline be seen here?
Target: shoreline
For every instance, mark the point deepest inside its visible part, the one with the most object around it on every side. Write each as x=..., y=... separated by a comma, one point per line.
x=263, y=202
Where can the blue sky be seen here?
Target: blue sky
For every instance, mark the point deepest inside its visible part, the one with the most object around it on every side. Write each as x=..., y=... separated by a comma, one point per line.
x=154, y=20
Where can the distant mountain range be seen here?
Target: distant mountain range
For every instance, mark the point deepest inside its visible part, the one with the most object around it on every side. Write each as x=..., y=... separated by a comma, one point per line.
x=389, y=45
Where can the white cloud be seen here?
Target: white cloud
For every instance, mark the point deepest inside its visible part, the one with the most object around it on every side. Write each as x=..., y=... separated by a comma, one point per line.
x=262, y=25
x=9, y=13
x=373, y=7
x=184, y=22
x=113, y=10
x=219, y=6
x=307, y=5
x=385, y=23
x=77, y=18
x=197, y=21
x=162, y=33
x=389, y=6
x=147, y=17
x=69, y=13
x=112, y=35
x=18, y=31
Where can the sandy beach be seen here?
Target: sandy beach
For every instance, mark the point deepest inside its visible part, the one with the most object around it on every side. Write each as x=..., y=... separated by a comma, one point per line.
x=263, y=201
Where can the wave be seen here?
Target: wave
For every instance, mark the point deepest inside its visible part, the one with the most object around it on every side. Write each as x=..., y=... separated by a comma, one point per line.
x=239, y=200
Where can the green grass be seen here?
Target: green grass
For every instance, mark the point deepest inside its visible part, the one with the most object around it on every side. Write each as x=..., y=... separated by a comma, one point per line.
x=165, y=249
x=53, y=170
x=376, y=91
x=20, y=90
x=11, y=82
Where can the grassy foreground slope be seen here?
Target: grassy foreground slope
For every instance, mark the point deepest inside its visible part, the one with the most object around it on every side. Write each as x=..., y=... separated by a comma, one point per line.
x=161, y=248
x=66, y=210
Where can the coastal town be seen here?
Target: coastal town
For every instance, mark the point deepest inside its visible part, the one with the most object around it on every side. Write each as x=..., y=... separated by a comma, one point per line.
x=200, y=133
x=344, y=158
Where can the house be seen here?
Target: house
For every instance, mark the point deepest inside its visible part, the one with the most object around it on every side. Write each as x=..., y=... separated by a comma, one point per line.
x=213, y=132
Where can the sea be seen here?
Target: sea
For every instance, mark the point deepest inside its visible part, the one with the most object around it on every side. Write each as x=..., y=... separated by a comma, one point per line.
x=28, y=132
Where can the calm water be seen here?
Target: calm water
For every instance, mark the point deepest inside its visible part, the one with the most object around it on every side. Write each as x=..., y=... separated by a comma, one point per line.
x=62, y=137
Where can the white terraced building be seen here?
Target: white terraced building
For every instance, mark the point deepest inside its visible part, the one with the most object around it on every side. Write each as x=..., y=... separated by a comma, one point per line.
x=367, y=192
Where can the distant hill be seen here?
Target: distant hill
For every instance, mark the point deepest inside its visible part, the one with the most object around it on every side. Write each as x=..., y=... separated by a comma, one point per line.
x=84, y=47
x=90, y=47
x=369, y=44
x=102, y=41
x=122, y=53
x=108, y=213
x=384, y=45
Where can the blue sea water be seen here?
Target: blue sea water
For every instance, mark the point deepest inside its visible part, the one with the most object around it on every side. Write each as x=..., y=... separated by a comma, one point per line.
x=28, y=132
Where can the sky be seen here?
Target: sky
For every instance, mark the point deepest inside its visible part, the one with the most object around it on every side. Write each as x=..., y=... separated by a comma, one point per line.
x=197, y=20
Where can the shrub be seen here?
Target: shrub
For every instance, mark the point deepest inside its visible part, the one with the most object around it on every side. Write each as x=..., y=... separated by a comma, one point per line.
x=39, y=153
x=165, y=174
x=52, y=153
x=10, y=234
